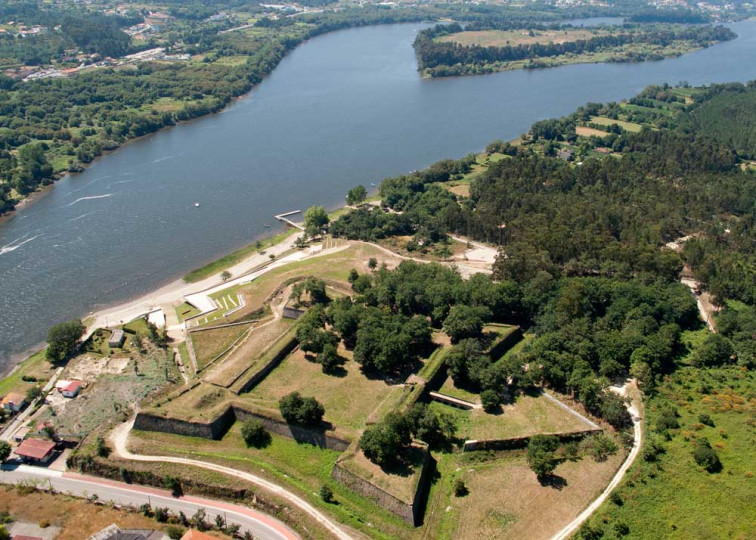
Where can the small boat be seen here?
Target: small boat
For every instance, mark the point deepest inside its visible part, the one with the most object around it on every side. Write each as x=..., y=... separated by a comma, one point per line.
x=372, y=184
x=196, y=205
x=267, y=226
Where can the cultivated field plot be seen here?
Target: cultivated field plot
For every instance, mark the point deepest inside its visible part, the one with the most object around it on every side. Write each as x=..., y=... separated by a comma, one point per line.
x=507, y=501
x=348, y=397
x=590, y=132
x=513, y=38
x=604, y=121
x=528, y=415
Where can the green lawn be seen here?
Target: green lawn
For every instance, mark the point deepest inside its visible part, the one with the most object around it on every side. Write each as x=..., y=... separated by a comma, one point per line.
x=604, y=121
x=35, y=366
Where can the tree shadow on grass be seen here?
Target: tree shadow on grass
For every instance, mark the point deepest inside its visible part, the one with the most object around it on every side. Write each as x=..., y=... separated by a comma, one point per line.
x=553, y=481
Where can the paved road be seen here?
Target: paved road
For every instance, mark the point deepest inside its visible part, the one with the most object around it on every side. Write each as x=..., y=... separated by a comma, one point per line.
x=570, y=529
x=260, y=525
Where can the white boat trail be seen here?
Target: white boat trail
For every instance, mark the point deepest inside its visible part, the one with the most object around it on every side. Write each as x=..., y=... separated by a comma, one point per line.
x=91, y=197
x=13, y=246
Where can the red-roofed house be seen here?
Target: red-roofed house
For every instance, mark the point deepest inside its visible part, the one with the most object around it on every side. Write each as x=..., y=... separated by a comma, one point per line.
x=192, y=534
x=36, y=451
x=72, y=390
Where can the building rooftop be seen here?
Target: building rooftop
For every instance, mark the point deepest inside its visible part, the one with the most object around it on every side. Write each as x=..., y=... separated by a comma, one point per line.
x=35, y=448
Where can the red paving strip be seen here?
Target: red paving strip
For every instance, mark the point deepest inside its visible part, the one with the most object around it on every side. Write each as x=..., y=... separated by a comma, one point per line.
x=258, y=516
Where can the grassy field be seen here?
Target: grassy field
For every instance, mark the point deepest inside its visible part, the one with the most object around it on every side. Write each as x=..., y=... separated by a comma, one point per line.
x=528, y=415
x=36, y=367
x=673, y=497
x=513, y=38
x=590, y=132
x=250, y=352
x=348, y=397
x=506, y=500
x=208, y=344
x=302, y=467
x=604, y=121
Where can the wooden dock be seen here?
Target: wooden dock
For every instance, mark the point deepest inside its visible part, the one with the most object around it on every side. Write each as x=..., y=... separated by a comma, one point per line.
x=283, y=217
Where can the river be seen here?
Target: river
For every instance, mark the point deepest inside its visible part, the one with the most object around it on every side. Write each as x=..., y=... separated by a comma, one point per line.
x=340, y=110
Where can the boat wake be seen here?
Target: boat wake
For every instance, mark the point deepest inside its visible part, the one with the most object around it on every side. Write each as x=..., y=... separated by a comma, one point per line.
x=13, y=246
x=89, y=198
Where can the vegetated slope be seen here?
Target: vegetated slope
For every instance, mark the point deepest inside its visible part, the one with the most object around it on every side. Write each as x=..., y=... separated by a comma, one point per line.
x=729, y=118
x=667, y=493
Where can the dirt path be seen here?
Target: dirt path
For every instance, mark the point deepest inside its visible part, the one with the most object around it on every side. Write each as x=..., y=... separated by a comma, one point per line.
x=570, y=529
x=119, y=438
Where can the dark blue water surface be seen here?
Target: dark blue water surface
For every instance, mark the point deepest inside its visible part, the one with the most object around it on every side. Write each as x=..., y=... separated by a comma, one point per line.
x=343, y=109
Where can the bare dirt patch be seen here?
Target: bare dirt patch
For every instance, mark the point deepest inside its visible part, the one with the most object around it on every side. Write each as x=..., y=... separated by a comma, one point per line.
x=513, y=38
x=590, y=132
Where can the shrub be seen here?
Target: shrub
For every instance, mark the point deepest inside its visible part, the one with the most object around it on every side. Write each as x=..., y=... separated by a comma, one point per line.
x=255, y=434
x=5, y=450
x=599, y=447
x=326, y=494
x=382, y=443
x=161, y=515
x=541, y=457
x=101, y=448
x=175, y=532
x=706, y=420
x=460, y=489
x=706, y=456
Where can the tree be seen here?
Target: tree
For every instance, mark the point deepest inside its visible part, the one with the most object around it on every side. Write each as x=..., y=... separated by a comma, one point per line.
x=101, y=448
x=5, y=450
x=716, y=351
x=33, y=393
x=4, y=534
x=599, y=446
x=541, y=454
x=372, y=263
x=490, y=400
x=225, y=276
x=383, y=443
x=460, y=489
x=356, y=195
x=303, y=411
x=329, y=359
x=315, y=219
x=465, y=322
x=63, y=339
x=254, y=433
x=706, y=456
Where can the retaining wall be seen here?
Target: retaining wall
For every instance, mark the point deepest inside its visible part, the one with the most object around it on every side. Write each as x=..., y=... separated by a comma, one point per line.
x=412, y=512
x=515, y=443
x=498, y=350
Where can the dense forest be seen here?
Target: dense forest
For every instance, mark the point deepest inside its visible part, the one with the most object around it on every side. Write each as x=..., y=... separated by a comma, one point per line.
x=583, y=228
x=445, y=58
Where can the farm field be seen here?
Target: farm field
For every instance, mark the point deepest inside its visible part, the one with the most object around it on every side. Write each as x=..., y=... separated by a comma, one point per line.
x=513, y=38
x=604, y=121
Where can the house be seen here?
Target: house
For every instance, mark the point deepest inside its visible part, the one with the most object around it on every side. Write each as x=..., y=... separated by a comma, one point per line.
x=291, y=313
x=565, y=154
x=116, y=338
x=13, y=402
x=36, y=451
x=72, y=390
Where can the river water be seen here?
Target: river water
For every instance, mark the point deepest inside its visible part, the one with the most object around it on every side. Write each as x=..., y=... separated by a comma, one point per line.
x=344, y=109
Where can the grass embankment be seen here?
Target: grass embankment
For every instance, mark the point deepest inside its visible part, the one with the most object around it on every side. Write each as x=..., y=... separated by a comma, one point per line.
x=673, y=497
x=227, y=261
x=36, y=369
x=298, y=466
x=208, y=344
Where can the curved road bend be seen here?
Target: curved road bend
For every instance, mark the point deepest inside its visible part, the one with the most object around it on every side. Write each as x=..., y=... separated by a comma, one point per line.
x=570, y=529
x=120, y=435
x=259, y=524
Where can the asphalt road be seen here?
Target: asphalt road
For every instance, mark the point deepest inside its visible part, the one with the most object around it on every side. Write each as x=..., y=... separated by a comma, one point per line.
x=260, y=525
